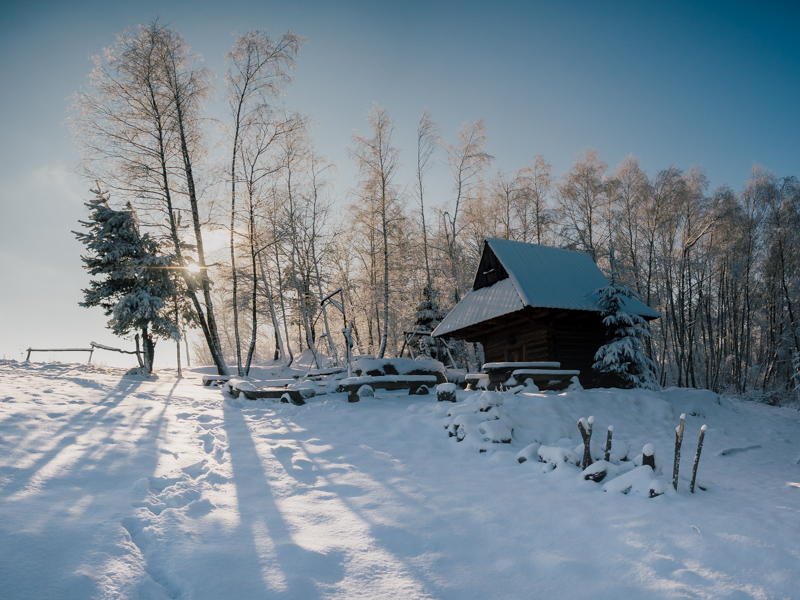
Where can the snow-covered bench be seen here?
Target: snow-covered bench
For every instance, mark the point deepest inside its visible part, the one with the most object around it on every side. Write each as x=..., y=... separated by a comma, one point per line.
x=413, y=383
x=321, y=374
x=295, y=394
x=209, y=379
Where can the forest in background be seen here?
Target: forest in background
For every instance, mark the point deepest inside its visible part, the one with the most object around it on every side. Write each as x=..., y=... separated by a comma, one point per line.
x=246, y=210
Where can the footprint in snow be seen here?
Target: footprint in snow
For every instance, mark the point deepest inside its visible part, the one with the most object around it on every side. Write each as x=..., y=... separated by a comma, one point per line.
x=145, y=537
x=208, y=442
x=197, y=469
x=299, y=468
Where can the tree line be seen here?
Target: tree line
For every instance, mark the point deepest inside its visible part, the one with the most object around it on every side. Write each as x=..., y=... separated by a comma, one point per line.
x=721, y=265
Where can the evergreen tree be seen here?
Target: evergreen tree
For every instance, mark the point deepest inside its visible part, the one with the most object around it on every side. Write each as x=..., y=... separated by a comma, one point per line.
x=131, y=281
x=426, y=318
x=623, y=355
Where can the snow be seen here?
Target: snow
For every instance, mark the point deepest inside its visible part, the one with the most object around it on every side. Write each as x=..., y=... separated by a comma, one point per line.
x=397, y=366
x=481, y=305
x=371, y=380
x=522, y=366
x=131, y=487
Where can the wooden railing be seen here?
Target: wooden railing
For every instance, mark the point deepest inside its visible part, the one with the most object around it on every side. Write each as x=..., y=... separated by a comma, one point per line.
x=89, y=350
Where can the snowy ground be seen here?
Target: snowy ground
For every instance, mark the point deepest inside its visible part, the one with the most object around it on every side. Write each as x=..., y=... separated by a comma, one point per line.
x=115, y=487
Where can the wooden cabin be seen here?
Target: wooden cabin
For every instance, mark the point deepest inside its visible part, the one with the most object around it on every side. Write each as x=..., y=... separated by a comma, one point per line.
x=535, y=303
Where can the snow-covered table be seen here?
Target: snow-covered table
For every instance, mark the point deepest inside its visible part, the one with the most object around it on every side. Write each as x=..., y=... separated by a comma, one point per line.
x=551, y=379
x=547, y=375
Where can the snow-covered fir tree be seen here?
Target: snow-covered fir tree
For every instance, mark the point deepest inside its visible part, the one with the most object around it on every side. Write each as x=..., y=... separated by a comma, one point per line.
x=426, y=318
x=623, y=355
x=131, y=281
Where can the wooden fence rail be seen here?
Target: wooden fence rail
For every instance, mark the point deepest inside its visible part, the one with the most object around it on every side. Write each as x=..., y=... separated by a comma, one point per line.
x=89, y=350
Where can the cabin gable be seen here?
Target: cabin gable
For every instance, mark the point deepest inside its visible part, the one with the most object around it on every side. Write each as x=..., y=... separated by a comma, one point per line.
x=490, y=270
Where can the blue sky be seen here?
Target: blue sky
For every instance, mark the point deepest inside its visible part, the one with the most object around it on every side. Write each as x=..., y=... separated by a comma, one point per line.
x=685, y=83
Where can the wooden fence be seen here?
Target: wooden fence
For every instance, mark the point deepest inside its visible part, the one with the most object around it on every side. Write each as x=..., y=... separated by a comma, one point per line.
x=90, y=350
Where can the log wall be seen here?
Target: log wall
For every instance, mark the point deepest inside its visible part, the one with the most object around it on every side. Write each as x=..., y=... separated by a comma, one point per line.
x=569, y=337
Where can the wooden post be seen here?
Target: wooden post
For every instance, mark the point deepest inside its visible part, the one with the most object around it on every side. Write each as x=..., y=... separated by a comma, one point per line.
x=697, y=458
x=649, y=456
x=586, y=434
x=608, y=442
x=91, y=351
x=678, y=442
x=28, y=358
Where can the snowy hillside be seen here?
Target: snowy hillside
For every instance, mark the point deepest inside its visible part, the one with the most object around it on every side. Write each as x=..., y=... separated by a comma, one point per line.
x=116, y=487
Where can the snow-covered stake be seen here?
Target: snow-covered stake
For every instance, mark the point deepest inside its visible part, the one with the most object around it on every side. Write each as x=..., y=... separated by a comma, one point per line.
x=586, y=434
x=697, y=458
x=446, y=392
x=649, y=456
x=607, y=455
x=678, y=441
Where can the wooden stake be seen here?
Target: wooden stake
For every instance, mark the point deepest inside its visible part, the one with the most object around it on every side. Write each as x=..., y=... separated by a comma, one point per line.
x=586, y=434
x=608, y=442
x=678, y=442
x=697, y=457
x=649, y=456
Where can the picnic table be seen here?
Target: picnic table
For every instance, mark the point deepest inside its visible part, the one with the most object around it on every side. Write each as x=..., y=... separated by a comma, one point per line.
x=545, y=374
x=551, y=379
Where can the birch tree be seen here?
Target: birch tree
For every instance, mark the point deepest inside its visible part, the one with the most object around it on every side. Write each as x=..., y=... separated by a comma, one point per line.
x=427, y=144
x=377, y=159
x=583, y=204
x=467, y=160
x=139, y=125
x=258, y=70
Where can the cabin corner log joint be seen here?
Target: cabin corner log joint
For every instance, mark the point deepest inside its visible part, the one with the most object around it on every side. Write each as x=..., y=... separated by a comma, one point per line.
x=532, y=303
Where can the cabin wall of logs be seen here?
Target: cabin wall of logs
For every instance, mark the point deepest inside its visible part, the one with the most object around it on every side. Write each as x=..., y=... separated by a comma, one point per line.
x=569, y=337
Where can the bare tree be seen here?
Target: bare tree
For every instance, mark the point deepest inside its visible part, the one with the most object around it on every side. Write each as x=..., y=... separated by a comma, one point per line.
x=258, y=167
x=533, y=212
x=628, y=193
x=258, y=70
x=140, y=128
x=583, y=204
x=427, y=144
x=467, y=160
x=377, y=160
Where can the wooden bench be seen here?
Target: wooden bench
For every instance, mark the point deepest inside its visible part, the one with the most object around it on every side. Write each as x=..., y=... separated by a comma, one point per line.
x=551, y=379
x=321, y=374
x=413, y=383
x=476, y=380
x=295, y=396
x=209, y=379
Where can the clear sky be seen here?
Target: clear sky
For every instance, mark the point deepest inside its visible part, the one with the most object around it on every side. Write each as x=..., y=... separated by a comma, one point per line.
x=714, y=84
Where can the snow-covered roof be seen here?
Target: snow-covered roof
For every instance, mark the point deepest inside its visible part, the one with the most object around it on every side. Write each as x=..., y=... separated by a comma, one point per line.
x=481, y=305
x=539, y=277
